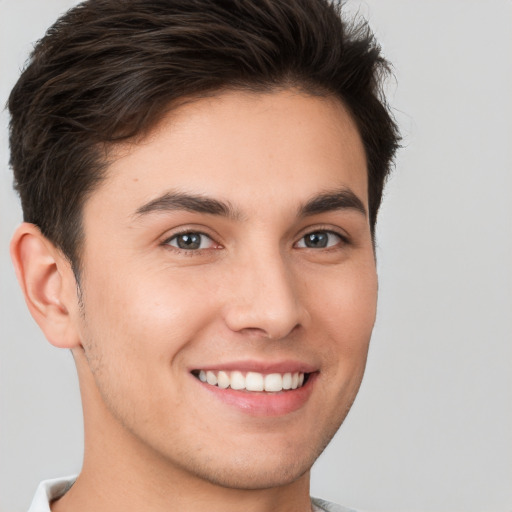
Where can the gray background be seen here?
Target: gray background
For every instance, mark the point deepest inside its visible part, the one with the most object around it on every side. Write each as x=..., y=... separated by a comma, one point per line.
x=432, y=427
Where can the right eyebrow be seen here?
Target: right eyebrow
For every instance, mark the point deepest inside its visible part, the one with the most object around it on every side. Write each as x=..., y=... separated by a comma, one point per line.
x=172, y=201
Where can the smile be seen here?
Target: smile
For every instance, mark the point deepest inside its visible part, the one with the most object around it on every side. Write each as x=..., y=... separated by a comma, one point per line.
x=252, y=381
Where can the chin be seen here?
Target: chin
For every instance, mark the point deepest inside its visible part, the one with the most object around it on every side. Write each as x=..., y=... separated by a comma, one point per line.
x=251, y=475
x=261, y=466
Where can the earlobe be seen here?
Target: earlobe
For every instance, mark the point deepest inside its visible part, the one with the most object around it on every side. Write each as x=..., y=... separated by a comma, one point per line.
x=45, y=277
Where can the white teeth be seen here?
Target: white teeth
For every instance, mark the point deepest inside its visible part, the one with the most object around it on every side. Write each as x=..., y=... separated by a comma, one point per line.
x=237, y=380
x=223, y=380
x=211, y=378
x=252, y=381
x=273, y=382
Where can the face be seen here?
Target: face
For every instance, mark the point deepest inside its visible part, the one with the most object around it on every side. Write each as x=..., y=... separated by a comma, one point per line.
x=229, y=286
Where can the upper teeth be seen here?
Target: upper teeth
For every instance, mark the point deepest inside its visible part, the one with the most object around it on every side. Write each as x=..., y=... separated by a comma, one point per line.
x=252, y=381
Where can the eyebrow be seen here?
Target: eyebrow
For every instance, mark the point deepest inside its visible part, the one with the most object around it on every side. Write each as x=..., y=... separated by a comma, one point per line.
x=171, y=201
x=342, y=199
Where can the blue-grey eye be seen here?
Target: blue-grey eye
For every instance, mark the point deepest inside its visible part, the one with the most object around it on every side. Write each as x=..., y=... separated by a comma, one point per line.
x=319, y=240
x=191, y=241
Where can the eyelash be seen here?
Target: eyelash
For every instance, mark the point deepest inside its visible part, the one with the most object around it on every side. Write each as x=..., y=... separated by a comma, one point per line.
x=190, y=252
x=167, y=242
x=343, y=240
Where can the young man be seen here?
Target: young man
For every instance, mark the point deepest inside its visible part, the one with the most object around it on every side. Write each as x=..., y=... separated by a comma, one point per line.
x=200, y=184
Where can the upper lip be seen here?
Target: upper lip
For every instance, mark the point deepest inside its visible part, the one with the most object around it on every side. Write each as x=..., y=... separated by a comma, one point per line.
x=265, y=367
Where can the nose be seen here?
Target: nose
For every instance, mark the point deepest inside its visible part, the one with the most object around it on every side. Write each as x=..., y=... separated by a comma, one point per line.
x=263, y=298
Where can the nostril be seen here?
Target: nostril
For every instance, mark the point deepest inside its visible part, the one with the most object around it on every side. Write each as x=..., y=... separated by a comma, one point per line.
x=256, y=332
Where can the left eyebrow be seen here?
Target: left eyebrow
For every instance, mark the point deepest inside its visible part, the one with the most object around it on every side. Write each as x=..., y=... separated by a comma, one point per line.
x=343, y=199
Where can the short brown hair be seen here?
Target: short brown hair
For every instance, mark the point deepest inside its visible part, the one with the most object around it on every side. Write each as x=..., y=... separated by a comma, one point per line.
x=107, y=70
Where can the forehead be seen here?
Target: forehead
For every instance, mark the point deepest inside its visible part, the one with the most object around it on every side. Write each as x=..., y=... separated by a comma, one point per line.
x=242, y=147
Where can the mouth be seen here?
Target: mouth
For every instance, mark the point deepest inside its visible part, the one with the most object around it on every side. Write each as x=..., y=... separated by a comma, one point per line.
x=253, y=381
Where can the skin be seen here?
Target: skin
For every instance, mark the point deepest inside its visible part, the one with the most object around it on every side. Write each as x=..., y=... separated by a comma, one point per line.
x=155, y=438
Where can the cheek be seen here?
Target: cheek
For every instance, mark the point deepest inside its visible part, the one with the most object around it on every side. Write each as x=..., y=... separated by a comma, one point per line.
x=135, y=332
x=343, y=307
x=346, y=297
x=138, y=320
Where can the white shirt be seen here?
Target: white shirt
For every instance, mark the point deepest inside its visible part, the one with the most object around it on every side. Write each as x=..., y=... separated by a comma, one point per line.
x=50, y=490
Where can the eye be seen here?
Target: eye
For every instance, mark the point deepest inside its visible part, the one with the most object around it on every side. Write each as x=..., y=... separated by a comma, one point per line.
x=319, y=240
x=191, y=241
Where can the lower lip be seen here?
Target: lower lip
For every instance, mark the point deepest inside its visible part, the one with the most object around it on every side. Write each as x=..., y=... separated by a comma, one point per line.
x=264, y=403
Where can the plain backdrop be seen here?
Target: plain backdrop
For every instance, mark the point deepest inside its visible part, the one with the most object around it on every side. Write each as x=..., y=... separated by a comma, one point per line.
x=431, y=430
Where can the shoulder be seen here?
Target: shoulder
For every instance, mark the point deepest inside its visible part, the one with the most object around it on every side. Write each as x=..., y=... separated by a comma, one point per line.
x=326, y=506
x=50, y=490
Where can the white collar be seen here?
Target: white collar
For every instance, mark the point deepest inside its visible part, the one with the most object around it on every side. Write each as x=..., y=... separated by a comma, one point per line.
x=50, y=490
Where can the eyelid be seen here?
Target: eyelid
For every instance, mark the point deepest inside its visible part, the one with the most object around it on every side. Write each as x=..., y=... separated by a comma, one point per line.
x=324, y=229
x=199, y=230
x=327, y=247
x=202, y=230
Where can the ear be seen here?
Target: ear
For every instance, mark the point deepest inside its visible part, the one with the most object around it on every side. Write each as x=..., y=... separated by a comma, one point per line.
x=48, y=283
